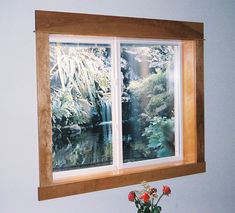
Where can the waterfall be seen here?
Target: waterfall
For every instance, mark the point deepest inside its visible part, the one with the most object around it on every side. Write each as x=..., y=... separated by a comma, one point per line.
x=106, y=119
x=105, y=110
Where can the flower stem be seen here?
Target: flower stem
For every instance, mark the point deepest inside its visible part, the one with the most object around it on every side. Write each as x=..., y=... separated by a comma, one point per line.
x=152, y=205
x=159, y=199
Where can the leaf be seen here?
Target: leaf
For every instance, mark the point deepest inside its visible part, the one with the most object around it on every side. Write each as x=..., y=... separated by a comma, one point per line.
x=158, y=209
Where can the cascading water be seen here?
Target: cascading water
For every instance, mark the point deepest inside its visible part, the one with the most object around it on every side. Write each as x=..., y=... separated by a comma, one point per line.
x=106, y=110
x=106, y=119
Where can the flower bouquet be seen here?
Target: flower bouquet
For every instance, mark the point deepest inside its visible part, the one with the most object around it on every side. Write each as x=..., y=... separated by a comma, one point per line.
x=147, y=199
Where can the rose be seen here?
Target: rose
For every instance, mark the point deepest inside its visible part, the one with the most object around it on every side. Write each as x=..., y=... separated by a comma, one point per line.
x=131, y=196
x=166, y=190
x=145, y=197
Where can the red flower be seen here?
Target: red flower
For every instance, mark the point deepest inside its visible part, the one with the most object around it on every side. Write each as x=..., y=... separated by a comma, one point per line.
x=145, y=197
x=166, y=190
x=131, y=196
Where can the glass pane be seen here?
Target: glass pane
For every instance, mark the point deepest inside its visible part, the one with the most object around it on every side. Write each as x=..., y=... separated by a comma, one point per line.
x=147, y=101
x=80, y=77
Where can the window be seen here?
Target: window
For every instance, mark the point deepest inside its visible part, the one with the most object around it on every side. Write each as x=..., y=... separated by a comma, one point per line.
x=91, y=81
x=117, y=105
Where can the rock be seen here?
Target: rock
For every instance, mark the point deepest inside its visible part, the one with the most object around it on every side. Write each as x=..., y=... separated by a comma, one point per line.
x=125, y=94
x=72, y=130
x=125, y=99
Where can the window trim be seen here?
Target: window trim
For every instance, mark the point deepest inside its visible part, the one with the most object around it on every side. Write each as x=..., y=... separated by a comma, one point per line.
x=191, y=35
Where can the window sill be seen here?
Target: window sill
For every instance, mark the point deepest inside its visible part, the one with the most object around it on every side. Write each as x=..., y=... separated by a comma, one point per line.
x=123, y=177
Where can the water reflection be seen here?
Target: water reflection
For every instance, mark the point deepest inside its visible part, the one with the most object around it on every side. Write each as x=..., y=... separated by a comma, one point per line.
x=91, y=148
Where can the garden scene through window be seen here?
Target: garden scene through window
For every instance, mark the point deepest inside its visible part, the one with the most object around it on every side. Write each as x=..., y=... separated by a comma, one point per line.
x=114, y=102
x=148, y=100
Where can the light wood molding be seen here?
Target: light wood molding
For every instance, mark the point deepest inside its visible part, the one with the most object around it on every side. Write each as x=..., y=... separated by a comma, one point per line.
x=44, y=109
x=191, y=35
x=100, y=25
x=189, y=101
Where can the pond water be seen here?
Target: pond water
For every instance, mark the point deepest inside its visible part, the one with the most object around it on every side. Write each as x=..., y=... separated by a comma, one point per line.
x=91, y=148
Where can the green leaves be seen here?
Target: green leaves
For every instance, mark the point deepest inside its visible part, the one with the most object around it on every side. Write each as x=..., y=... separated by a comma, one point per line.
x=76, y=74
x=160, y=134
x=157, y=209
x=146, y=208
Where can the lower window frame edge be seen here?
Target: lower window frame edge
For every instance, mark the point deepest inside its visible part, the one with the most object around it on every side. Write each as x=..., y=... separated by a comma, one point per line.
x=121, y=178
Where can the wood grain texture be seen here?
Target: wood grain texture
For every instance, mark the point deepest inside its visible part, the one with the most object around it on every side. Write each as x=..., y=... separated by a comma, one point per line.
x=200, y=100
x=189, y=101
x=85, y=185
x=100, y=25
x=44, y=109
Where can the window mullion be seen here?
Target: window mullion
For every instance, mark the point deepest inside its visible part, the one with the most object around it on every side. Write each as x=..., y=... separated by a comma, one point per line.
x=117, y=121
x=178, y=101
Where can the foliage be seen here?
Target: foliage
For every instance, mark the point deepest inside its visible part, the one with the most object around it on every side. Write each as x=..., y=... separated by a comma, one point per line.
x=65, y=108
x=157, y=56
x=147, y=199
x=76, y=76
x=160, y=135
x=146, y=85
x=153, y=94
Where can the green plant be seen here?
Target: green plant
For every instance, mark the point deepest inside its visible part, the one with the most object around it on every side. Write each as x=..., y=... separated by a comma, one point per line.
x=79, y=77
x=160, y=136
x=65, y=108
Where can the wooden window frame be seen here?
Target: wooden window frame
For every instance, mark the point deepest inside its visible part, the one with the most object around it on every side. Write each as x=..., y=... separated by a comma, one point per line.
x=191, y=35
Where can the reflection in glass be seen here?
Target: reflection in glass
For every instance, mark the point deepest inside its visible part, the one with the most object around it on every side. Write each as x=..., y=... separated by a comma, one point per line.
x=80, y=80
x=147, y=101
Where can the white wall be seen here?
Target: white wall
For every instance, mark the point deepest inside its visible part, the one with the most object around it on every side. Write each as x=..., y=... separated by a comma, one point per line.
x=213, y=191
